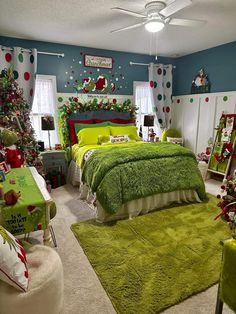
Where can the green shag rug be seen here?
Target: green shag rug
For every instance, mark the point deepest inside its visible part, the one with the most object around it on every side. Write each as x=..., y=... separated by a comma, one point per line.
x=156, y=260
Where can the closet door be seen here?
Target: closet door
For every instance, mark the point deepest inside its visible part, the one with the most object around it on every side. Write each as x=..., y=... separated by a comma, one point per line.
x=206, y=121
x=190, y=121
x=185, y=119
x=177, y=114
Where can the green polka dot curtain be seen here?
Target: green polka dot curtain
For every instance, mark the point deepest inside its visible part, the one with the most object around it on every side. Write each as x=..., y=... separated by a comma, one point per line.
x=24, y=65
x=160, y=80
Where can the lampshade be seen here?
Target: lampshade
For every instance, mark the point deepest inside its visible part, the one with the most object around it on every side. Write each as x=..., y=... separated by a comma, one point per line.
x=148, y=120
x=47, y=123
x=154, y=25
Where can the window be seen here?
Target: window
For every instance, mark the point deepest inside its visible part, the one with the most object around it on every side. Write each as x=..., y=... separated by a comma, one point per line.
x=142, y=96
x=45, y=103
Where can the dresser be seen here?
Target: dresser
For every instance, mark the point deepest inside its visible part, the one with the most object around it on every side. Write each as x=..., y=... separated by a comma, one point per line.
x=54, y=160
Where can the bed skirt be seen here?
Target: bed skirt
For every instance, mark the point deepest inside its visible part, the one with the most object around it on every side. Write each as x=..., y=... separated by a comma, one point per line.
x=132, y=208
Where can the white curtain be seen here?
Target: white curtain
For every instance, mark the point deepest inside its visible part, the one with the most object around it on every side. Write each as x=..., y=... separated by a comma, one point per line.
x=44, y=104
x=143, y=100
x=24, y=65
x=160, y=80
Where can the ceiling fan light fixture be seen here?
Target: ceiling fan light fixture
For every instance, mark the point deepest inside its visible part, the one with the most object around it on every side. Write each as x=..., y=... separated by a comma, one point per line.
x=154, y=26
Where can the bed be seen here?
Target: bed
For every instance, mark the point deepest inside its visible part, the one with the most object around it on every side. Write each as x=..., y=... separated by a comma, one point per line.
x=123, y=179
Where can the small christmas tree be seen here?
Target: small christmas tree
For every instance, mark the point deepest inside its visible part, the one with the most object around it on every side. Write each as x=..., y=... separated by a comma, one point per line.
x=15, y=115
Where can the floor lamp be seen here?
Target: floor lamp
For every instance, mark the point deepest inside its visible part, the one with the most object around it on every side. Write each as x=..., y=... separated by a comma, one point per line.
x=48, y=125
x=148, y=121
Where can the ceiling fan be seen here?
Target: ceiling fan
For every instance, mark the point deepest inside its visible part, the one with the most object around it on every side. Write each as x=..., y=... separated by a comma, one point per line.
x=158, y=15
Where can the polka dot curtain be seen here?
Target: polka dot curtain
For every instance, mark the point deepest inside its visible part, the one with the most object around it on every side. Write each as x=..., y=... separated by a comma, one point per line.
x=24, y=65
x=160, y=80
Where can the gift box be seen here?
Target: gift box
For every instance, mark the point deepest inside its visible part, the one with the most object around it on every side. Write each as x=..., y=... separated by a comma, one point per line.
x=56, y=179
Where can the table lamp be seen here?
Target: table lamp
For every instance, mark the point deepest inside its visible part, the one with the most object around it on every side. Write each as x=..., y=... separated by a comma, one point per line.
x=47, y=124
x=148, y=121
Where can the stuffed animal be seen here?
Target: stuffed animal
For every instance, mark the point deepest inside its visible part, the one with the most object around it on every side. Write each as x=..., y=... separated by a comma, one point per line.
x=151, y=135
x=11, y=197
x=14, y=157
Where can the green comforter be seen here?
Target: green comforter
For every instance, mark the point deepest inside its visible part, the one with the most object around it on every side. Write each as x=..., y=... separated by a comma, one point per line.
x=122, y=174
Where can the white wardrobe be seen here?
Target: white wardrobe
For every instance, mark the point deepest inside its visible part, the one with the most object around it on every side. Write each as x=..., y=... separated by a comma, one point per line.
x=196, y=116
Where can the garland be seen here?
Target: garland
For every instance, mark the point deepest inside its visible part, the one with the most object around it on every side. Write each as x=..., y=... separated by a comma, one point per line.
x=73, y=105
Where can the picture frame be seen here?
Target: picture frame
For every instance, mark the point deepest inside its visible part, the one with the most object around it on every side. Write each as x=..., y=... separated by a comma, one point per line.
x=98, y=62
x=4, y=167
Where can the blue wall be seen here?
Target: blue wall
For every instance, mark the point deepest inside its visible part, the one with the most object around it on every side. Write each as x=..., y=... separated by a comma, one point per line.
x=219, y=64
x=72, y=64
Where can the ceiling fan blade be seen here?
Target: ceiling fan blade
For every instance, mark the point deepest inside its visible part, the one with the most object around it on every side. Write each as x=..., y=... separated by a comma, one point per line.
x=174, y=7
x=184, y=22
x=128, y=27
x=128, y=12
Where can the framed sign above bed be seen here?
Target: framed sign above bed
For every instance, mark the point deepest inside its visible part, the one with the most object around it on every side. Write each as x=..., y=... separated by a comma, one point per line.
x=98, y=62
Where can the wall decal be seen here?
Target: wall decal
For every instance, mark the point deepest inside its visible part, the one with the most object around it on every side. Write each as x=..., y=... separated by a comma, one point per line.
x=101, y=85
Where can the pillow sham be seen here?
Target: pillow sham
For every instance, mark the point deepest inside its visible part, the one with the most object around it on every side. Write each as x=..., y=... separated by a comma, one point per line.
x=13, y=264
x=73, y=134
x=123, y=130
x=89, y=136
x=79, y=126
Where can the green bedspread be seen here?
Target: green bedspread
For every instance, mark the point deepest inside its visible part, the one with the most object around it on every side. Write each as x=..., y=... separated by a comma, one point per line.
x=122, y=174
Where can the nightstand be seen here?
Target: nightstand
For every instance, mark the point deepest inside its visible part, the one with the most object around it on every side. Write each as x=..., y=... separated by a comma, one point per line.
x=54, y=160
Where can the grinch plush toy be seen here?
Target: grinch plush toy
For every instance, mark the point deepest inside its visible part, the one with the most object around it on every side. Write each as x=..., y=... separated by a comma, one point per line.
x=11, y=154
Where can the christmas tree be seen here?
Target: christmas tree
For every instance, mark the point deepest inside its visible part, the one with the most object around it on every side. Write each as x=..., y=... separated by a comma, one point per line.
x=15, y=116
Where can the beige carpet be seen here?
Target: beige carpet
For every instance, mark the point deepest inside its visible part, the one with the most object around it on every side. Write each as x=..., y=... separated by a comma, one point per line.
x=83, y=291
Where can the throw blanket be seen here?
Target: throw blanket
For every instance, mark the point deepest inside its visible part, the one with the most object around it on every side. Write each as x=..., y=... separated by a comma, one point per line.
x=121, y=174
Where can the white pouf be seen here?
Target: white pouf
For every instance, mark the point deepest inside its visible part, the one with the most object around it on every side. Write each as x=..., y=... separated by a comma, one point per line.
x=46, y=287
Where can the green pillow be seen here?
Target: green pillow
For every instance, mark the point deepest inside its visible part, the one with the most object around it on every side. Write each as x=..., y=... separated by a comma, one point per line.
x=102, y=139
x=90, y=136
x=80, y=126
x=169, y=133
x=125, y=130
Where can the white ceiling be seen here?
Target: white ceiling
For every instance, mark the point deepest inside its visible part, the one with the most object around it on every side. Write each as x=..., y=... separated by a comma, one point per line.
x=88, y=23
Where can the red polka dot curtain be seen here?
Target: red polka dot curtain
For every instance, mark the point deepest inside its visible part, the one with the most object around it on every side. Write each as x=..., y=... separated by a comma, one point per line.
x=160, y=79
x=24, y=65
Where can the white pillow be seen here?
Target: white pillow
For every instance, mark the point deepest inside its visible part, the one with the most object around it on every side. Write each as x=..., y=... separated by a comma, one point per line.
x=119, y=138
x=13, y=264
x=175, y=140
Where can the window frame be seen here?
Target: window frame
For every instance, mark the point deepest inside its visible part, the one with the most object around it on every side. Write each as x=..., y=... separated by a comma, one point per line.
x=53, y=78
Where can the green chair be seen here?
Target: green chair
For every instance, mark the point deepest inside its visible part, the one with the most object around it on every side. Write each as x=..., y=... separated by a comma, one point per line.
x=170, y=133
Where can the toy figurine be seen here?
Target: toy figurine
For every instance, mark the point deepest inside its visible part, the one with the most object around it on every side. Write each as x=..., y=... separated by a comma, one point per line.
x=151, y=135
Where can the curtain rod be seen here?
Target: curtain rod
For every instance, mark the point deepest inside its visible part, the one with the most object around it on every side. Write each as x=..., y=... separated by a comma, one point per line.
x=62, y=55
x=146, y=64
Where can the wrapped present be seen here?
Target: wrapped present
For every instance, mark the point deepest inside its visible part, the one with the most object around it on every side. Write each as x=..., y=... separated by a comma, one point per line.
x=56, y=179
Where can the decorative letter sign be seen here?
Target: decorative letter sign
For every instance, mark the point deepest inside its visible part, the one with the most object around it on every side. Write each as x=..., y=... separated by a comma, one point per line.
x=97, y=62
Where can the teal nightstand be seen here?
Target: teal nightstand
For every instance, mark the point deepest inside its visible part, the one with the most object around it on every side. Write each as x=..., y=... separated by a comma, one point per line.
x=54, y=160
